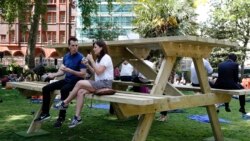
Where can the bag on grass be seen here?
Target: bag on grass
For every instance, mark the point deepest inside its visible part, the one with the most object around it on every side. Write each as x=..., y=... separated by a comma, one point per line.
x=105, y=91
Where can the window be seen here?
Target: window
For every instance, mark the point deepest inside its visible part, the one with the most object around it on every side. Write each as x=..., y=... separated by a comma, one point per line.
x=62, y=1
x=62, y=16
x=38, y=37
x=3, y=38
x=51, y=17
x=51, y=36
x=72, y=18
x=12, y=36
x=24, y=37
x=51, y=1
x=44, y=36
x=62, y=36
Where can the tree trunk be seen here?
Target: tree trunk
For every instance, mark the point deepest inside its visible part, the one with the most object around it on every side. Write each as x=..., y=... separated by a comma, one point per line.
x=34, y=24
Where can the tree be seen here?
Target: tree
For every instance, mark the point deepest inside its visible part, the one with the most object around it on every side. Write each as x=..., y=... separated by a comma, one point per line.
x=88, y=7
x=13, y=10
x=230, y=20
x=165, y=18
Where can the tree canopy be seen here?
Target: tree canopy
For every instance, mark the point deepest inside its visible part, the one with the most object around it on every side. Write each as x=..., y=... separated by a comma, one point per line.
x=165, y=18
x=12, y=10
x=229, y=20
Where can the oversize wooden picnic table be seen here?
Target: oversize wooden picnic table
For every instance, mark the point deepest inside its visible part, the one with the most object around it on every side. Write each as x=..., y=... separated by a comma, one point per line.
x=172, y=47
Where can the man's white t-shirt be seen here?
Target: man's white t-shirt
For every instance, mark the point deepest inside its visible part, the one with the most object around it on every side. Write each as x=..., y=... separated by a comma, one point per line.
x=194, y=77
x=126, y=69
x=108, y=74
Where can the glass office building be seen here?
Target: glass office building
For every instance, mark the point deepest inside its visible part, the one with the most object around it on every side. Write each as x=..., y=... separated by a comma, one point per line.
x=120, y=18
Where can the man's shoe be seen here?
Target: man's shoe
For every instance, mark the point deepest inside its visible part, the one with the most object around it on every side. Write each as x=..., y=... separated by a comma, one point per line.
x=59, y=122
x=242, y=111
x=42, y=117
x=227, y=109
x=74, y=122
x=60, y=106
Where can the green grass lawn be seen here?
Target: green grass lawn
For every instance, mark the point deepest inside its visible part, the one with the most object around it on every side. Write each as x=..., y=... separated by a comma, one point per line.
x=98, y=125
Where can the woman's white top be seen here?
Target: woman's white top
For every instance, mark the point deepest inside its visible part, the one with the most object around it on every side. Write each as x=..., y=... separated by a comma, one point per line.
x=108, y=73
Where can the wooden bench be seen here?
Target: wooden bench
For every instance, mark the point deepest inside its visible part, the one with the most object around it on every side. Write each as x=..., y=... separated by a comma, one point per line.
x=129, y=103
x=213, y=90
x=188, y=87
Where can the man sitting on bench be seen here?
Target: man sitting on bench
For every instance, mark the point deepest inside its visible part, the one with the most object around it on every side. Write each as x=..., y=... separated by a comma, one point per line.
x=74, y=71
x=228, y=79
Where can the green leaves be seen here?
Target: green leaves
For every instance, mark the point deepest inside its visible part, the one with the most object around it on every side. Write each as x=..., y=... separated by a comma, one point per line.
x=164, y=18
x=230, y=20
x=90, y=7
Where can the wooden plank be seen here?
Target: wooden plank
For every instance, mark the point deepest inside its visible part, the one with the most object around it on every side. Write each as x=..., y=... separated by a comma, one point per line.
x=130, y=83
x=28, y=85
x=218, y=91
x=170, y=90
x=139, y=64
x=205, y=88
x=174, y=102
x=143, y=127
x=122, y=99
x=163, y=75
x=153, y=43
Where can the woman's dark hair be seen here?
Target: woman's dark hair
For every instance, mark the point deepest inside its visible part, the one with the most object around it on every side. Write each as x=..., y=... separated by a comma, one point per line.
x=104, y=50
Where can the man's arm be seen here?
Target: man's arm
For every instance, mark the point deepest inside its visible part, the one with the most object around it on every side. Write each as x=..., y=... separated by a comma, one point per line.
x=56, y=74
x=81, y=73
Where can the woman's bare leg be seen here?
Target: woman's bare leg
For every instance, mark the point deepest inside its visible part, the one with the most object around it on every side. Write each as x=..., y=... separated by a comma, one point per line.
x=80, y=101
x=82, y=84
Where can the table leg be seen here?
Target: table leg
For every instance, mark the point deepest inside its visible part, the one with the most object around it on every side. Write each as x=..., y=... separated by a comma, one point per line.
x=35, y=127
x=205, y=88
x=143, y=127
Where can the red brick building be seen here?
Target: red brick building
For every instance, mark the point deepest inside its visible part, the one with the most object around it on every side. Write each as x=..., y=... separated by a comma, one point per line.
x=60, y=26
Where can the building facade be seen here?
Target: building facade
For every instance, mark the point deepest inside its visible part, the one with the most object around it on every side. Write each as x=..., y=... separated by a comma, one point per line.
x=60, y=19
x=120, y=18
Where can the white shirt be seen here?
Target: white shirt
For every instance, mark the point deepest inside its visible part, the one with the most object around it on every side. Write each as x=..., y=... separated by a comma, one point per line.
x=108, y=73
x=126, y=69
x=194, y=77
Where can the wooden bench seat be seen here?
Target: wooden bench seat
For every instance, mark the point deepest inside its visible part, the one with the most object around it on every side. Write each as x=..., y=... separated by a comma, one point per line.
x=119, y=97
x=127, y=83
x=135, y=98
x=217, y=91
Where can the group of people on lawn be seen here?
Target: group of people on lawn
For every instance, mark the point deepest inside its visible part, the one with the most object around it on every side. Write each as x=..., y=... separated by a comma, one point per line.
x=75, y=66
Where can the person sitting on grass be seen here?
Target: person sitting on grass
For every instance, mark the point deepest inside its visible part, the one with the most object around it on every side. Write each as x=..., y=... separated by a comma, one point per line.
x=104, y=75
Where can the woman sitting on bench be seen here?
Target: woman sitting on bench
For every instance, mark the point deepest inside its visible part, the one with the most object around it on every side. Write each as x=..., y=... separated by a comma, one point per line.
x=104, y=75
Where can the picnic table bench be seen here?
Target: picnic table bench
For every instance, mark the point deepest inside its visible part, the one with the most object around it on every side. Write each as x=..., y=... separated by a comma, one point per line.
x=128, y=104
x=213, y=90
x=145, y=102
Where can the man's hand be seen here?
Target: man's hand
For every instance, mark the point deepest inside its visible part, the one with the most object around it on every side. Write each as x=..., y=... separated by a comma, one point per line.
x=51, y=75
x=65, y=69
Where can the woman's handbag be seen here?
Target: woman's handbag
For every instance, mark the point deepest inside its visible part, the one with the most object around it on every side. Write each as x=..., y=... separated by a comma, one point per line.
x=105, y=91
